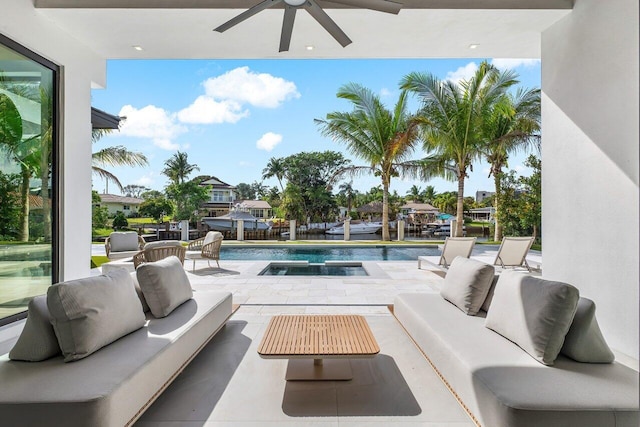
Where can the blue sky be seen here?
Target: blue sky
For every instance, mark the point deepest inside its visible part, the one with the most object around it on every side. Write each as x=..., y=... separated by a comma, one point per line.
x=232, y=116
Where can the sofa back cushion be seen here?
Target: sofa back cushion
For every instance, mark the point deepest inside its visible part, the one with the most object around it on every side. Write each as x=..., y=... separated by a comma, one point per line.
x=584, y=341
x=165, y=285
x=533, y=313
x=162, y=243
x=467, y=283
x=143, y=301
x=89, y=313
x=38, y=340
x=487, y=301
x=123, y=241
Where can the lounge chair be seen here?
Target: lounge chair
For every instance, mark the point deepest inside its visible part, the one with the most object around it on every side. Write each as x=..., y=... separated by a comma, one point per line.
x=155, y=251
x=513, y=252
x=123, y=244
x=453, y=247
x=207, y=247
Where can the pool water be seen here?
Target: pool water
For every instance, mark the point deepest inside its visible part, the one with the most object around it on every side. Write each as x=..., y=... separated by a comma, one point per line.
x=313, y=270
x=317, y=255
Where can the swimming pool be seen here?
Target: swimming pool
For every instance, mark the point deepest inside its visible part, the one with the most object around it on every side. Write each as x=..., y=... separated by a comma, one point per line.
x=317, y=254
x=283, y=269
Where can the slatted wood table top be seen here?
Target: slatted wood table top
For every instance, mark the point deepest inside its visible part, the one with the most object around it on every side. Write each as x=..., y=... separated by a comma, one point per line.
x=318, y=337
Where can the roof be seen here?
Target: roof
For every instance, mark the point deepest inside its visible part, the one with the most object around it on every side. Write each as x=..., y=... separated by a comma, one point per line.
x=103, y=120
x=214, y=181
x=114, y=198
x=419, y=207
x=35, y=202
x=254, y=204
x=489, y=209
x=373, y=207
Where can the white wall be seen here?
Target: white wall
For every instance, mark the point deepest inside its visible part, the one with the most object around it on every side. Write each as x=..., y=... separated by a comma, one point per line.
x=590, y=161
x=81, y=68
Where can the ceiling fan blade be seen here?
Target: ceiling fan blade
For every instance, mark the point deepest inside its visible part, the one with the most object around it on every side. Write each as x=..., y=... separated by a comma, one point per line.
x=287, y=27
x=328, y=23
x=247, y=14
x=379, y=5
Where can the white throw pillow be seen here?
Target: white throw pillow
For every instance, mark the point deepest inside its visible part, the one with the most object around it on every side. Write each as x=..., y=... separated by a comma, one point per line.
x=121, y=241
x=584, y=341
x=533, y=313
x=88, y=314
x=165, y=285
x=38, y=340
x=134, y=278
x=467, y=283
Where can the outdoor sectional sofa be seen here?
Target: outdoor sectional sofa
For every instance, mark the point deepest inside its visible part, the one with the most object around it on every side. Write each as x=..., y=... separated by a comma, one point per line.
x=501, y=385
x=117, y=383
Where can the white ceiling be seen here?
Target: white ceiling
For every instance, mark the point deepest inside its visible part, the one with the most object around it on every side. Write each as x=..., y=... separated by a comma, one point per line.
x=501, y=28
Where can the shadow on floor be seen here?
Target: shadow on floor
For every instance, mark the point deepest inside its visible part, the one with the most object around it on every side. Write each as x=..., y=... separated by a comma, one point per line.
x=215, y=272
x=377, y=389
x=196, y=391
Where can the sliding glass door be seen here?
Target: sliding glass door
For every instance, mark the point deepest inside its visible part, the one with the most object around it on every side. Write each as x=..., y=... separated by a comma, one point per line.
x=28, y=146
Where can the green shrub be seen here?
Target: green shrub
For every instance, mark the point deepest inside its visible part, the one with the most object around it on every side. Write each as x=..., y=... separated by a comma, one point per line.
x=120, y=221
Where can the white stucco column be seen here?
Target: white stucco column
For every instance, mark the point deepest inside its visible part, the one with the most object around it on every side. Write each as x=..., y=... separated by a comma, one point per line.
x=292, y=229
x=400, y=226
x=347, y=229
x=184, y=230
x=240, y=230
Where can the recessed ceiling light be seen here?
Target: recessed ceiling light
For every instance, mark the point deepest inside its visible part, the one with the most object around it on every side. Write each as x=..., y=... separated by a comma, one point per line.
x=473, y=46
x=137, y=47
x=309, y=47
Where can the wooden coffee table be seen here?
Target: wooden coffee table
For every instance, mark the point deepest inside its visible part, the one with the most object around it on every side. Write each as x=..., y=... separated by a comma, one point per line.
x=318, y=346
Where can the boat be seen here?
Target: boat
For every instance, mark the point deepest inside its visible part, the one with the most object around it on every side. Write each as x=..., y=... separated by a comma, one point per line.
x=357, y=228
x=229, y=221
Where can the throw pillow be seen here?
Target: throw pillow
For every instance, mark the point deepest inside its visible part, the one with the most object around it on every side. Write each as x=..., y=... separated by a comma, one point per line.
x=134, y=278
x=467, y=283
x=533, y=313
x=38, y=340
x=487, y=301
x=89, y=313
x=123, y=241
x=584, y=341
x=165, y=285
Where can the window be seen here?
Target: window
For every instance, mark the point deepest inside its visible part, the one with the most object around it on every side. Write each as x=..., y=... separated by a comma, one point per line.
x=220, y=196
x=125, y=207
x=28, y=177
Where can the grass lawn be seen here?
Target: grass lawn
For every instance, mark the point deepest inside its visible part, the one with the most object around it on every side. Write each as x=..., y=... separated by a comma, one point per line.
x=98, y=260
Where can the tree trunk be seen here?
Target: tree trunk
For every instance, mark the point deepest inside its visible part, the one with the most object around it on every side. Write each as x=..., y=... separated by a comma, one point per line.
x=498, y=230
x=44, y=192
x=24, y=196
x=385, y=210
x=458, y=232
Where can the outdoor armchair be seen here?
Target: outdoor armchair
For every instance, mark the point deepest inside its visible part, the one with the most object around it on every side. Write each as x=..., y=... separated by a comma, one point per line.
x=155, y=251
x=453, y=247
x=513, y=252
x=207, y=247
x=123, y=244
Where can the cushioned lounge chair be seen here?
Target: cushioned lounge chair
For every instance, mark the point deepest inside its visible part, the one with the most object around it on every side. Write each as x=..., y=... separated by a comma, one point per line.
x=453, y=247
x=123, y=244
x=513, y=252
x=207, y=247
x=155, y=251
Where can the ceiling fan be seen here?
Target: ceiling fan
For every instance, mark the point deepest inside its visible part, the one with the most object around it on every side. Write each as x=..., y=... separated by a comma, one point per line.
x=291, y=6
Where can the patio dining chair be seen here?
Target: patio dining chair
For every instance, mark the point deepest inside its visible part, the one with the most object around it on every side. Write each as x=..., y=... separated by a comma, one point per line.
x=155, y=251
x=123, y=244
x=513, y=252
x=207, y=247
x=453, y=247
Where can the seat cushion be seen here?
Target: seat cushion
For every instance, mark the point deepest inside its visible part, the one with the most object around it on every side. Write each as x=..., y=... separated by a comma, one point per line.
x=38, y=340
x=467, y=283
x=533, y=313
x=123, y=241
x=584, y=341
x=165, y=285
x=89, y=313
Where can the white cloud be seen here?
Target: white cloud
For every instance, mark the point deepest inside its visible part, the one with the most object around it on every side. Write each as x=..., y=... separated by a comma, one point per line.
x=384, y=92
x=462, y=73
x=507, y=63
x=243, y=163
x=245, y=86
x=151, y=122
x=146, y=180
x=268, y=141
x=206, y=110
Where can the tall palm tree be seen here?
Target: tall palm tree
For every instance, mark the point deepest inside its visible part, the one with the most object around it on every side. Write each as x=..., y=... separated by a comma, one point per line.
x=429, y=194
x=276, y=168
x=513, y=126
x=113, y=156
x=178, y=168
x=414, y=193
x=453, y=114
x=346, y=189
x=384, y=139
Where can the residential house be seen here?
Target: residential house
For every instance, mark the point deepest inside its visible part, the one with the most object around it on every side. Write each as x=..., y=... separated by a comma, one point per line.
x=222, y=197
x=257, y=208
x=418, y=213
x=481, y=195
x=115, y=203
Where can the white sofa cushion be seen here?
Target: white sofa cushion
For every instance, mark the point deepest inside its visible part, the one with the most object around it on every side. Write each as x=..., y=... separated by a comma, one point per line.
x=533, y=313
x=165, y=285
x=38, y=340
x=89, y=313
x=467, y=283
x=136, y=284
x=584, y=341
x=123, y=241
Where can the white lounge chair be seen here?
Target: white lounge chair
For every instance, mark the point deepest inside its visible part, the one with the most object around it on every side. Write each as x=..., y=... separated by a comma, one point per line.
x=207, y=247
x=123, y=244
x=513, y=252
x=453, y=247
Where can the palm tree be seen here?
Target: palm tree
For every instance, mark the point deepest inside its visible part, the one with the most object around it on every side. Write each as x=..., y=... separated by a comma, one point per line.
x=384, y=139
x=276, y=168
x=178, y=168
x=346, y=189
x=113, y=156
x=514, y=125
x=453, y=115
x=414, y=193
x=429, y=194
